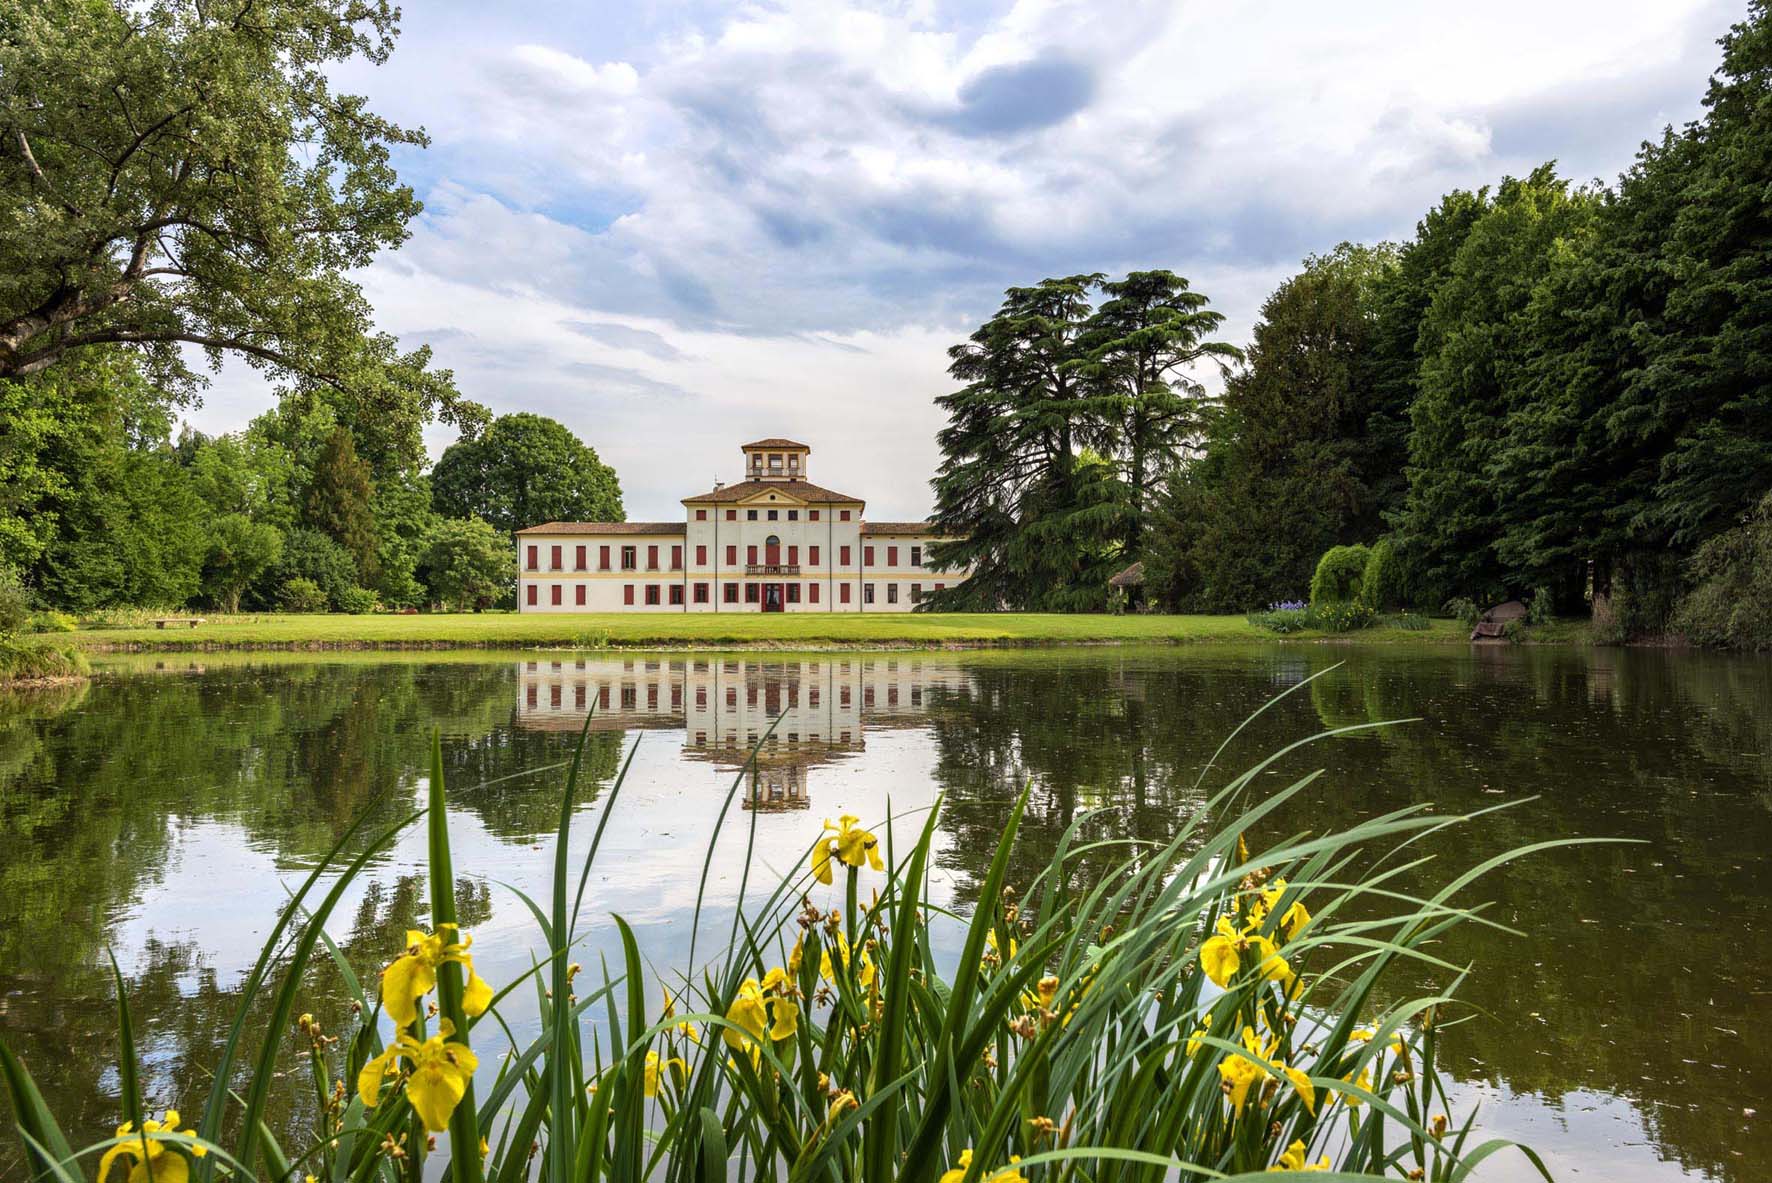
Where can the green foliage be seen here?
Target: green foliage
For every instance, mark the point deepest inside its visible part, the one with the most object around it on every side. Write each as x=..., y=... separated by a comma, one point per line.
x=240, y=552
x=30, y=660
x=403, y=516
x=1381, y=583
x=468, y=564
x=337, y=502
x=1338, y=575
x=1342, y=616
x=1283, y=621
x=522, y=471
x=1463, y=609
x=301, y=594
x=1413, y=622
x=356, y=601
x=15, y=605
x=1730, y=605
x=220, y=205
x=315, y=558
x=48, y=621
x=1541, y=606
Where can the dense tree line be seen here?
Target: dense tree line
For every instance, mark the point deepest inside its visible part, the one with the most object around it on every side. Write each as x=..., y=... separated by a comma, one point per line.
x=1549, y=386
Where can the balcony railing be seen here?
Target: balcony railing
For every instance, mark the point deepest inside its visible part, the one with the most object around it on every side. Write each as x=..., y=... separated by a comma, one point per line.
x=772, y=569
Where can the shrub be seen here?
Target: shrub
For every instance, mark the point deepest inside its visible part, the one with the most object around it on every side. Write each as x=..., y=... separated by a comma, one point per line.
x=15, y=606
x=843, y=1044
x=1338, y=576
x=1463, y=609
x=301, y=594
x=1414, y=622
x=1731, y=606
x=1541, y=606
x=1345, y=617
x=31, y=660
x=49, y=621
x=310, y=555
x=356, y=600
x=1381, y=582
x=1282, y=620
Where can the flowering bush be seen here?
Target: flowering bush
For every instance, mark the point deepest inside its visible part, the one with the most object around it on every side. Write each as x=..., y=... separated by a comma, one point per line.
x=1210, y=1008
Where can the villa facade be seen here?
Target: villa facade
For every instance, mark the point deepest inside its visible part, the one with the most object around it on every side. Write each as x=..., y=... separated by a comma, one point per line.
x=772, y=542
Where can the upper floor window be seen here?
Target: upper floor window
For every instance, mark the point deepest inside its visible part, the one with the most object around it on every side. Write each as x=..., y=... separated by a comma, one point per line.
x=842, y=515
x=750, y=515
x=774, y=514
x=916, y=556
x=774, y=463
x=812, y=515
x=793, y=515
x=701, y=515
x=732, y=515
x=630, y=558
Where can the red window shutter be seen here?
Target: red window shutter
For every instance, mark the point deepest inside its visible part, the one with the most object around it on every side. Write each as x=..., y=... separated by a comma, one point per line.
x=732, y=515
x=732, y=556
x=579, y=558
x=793, y=556
x=843, y=515
x=531, y=595
x=578, y=595
x=627, y=593
x=812, y=515
x=701, y=555
x=892, y=556
x=812, y=555
x=602, y=558
x=812, y=593
x=554, y=557
x=750, y=555
x=867, y=556
x=843, y=592
x=676, y=558
x=843, y=556
x=534, y=551
x=554, y=595
x=701, y=515
x=652, y=558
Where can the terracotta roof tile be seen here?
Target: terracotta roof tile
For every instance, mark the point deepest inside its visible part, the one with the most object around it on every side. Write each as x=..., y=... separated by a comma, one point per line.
x=897, y=528
x=775, y=442
x=798, y=490
x=606, y=528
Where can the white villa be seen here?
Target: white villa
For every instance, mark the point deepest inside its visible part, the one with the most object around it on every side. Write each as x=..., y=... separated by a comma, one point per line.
x=773, y=542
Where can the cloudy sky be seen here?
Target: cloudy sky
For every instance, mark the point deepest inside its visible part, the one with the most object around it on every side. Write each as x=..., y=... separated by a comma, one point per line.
x=676, y=227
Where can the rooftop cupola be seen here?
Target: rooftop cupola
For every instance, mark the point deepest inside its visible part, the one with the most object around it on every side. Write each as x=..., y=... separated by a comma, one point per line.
x=775, y=460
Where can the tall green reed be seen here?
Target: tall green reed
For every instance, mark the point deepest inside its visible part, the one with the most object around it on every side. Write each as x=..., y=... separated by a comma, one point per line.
x=1210, y=1007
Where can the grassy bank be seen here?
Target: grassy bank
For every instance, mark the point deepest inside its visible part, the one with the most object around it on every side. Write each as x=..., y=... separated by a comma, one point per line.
x=24, y=660
x=809, y=630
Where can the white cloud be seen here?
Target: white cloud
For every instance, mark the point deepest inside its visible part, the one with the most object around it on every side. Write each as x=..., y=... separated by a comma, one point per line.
x=780, y=214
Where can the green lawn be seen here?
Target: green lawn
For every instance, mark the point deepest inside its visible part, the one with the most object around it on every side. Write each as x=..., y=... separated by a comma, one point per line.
x=731, y=630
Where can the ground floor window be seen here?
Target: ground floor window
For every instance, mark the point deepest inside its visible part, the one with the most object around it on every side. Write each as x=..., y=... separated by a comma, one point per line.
x=652, y=594
x=892, y=593
x=843, y=593
x=753, y=593
x=554, y=595
x=793, y=593
x=701, y=593
x=732, y=593
x=530, y=596
x=627, y=593
x=578, y=595
x=867, y=593
x=676, y=593
x=916, y=593
x=812, y=593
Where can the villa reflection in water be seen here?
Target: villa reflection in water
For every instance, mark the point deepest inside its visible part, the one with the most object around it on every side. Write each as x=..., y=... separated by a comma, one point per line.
x=821, y=709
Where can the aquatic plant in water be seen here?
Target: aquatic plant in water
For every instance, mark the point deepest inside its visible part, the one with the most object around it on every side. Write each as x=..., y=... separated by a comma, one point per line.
x=1209, y=1008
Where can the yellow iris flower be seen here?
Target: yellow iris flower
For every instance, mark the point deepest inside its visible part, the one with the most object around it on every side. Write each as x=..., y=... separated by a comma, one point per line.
x=440, y=1072
x=1293, y=921
x=152, y=1161
x=1221, y=955
x=852, y=846
x=1008, y=1174
x=761, y=1010
x=864, y=974
x=655, y=1067
x=1293, y=1160
x=413, y=974
x=1301, y=1084
x=686, y=1029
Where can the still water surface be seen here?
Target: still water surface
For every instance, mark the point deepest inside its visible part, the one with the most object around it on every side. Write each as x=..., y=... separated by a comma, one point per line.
x=161, y=812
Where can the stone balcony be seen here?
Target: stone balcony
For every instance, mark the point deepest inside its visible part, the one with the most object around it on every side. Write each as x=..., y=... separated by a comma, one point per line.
x=772, y=569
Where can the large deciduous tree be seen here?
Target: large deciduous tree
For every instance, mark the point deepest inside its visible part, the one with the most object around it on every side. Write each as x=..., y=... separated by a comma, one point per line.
x=178, y=173
x=522, y=471
x=468, y=563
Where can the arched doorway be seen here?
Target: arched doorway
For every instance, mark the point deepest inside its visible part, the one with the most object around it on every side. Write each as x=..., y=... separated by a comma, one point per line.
x=772, y=551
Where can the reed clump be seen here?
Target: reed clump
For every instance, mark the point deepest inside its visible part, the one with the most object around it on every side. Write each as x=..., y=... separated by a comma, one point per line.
x=1209, y=1008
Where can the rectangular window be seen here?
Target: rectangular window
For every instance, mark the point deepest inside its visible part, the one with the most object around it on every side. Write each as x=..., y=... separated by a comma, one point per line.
x=842, y=515
x=652, y=594
x=892, y=593
x=676, y=596
x=867, y=556
x=701, y=593
x=554, y=557
x=554, y=595
x=916, y=593
x=867, y=593
x=731, y=593
x=941, y=587
x=812, y=515
x=676, y=558
x=812, y=556
x=916, y=556
x=843, y=593
x=630, y=558
x=750, y=515
x=843, y=556
x=530, y=597
x=750, y=555
x=812, y=595
x=578, y=558
x=793, y=556
x=793, y=515
x=843, y=697
x=578, y=595
x=732, y=515
x=652, y=558
x=701, y=696
x=701, y=515
x=732, y=556
x=793, y=593
x=627, y=593
x=533, y=551
x=774, y=515
x=892, y=556
x=752, y=594
x=701, y=555
x=602, y=558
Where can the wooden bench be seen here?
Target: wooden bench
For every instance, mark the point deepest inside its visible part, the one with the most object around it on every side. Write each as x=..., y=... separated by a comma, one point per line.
x=177, y=621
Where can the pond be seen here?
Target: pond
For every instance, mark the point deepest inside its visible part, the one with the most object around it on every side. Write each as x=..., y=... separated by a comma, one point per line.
x=163, y=811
